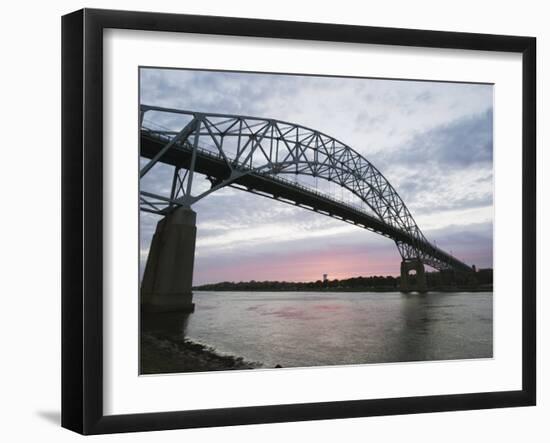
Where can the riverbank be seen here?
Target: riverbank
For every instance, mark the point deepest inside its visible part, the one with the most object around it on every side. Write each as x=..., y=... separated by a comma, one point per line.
x=480, y=281
x=163, y=354
x=448, y=289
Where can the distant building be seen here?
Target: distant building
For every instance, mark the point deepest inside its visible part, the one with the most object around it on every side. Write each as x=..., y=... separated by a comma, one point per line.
x=325, y=277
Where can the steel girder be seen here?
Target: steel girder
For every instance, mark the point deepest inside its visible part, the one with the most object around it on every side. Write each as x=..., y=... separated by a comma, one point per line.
x=252, y=145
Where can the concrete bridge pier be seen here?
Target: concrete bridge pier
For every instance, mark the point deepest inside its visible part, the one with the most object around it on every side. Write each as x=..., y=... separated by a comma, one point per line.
x=168, y=275
x=407, y=283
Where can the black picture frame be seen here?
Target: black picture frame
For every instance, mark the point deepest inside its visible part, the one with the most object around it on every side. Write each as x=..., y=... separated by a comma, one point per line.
x=82, y=215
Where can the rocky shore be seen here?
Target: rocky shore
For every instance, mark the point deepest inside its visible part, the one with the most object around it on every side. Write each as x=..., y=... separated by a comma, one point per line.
x=164, y=353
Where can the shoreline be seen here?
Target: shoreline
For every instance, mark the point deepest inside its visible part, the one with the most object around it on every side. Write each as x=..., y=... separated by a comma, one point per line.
x=164, y=354
x=435, y=290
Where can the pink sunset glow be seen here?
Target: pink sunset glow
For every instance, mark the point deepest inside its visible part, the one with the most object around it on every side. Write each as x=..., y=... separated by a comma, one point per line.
x=304, y=266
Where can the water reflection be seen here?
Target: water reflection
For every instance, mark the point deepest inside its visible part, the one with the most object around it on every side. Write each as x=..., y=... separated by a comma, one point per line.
x=311, y=329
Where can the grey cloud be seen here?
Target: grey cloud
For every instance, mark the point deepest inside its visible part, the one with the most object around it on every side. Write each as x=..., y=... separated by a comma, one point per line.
x=467, y=202
x=424, y=96
x=462, y=143
x=429, y=193
x=221, y=92
x=472, y=244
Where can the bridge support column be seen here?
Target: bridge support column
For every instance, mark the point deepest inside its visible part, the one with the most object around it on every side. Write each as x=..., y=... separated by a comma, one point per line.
x=407, y=285
x=168, y=276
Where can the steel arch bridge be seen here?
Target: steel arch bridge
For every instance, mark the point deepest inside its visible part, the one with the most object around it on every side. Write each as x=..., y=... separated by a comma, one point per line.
x=255, y=153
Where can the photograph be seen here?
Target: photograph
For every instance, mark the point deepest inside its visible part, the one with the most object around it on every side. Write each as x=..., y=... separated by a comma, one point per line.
x=290, y=220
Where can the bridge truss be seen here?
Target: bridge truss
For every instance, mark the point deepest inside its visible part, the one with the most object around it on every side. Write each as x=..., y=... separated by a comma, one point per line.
x=244, y=146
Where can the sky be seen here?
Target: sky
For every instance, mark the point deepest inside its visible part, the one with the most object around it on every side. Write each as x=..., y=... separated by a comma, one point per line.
x=433, y=141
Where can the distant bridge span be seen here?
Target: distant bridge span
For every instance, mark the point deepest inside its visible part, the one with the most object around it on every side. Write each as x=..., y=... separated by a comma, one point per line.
x=254, y=153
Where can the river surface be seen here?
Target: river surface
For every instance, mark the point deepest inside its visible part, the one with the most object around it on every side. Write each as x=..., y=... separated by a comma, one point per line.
x=295, y=329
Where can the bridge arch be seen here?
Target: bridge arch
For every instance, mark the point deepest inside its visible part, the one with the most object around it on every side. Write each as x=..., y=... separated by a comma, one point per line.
x=230, y=148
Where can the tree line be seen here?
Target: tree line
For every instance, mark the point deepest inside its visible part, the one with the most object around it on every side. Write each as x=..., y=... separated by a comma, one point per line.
x=434, y=280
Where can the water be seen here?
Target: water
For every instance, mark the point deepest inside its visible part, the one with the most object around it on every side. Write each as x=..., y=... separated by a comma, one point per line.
x=294, y=329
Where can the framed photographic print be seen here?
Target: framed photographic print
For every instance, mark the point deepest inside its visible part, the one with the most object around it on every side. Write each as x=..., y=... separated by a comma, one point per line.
x=269, y=221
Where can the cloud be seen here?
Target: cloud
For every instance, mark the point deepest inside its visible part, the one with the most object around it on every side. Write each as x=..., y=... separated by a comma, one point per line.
x=463, y=142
